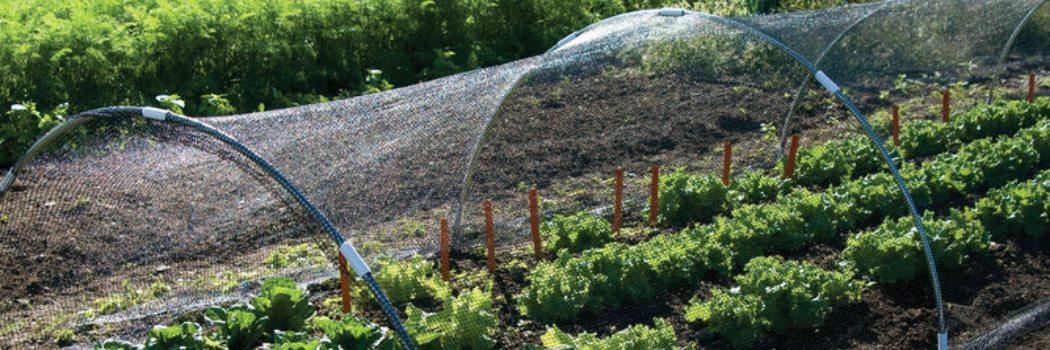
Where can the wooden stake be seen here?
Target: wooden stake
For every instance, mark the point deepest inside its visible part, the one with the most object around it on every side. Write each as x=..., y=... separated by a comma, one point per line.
x=618, y=204
x=896, y=125
x=654, y=195
x=727, y=163
x=490, y=237
x=789, y=170
x=1031, y=87
x=946, y=106
x=534, y=216
x=344, y=283
x=444, y=250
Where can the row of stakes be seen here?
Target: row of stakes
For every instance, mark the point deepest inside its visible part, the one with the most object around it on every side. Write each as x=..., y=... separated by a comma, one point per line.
x=654, y=201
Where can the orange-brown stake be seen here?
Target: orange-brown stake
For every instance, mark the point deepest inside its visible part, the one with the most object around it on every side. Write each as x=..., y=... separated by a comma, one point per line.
x=896, y=125
x=344, y=283
x=534, y=218
x=789, y=169
x=490, y=238
x=946, y=106
x=727, y=163
x=654, y=195
x=1031, y=87
x=444, y=250
x=618, y=204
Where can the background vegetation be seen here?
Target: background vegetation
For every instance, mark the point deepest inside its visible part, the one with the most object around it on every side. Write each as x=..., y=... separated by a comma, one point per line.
x=235, y=56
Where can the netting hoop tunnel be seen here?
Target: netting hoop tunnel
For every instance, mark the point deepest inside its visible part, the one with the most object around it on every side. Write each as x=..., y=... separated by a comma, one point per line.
x=825, y=81
x=346, y=248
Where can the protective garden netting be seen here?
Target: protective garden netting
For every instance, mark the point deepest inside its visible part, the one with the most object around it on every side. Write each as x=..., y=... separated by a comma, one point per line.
x=123, y=222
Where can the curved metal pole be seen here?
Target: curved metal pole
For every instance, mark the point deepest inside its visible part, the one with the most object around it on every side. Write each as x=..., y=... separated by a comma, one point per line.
x=345, y=247
x=473, y=162
x=38, y=146
x=805, y=82
x=942, y=336
x=999, y=67
x=572, y=36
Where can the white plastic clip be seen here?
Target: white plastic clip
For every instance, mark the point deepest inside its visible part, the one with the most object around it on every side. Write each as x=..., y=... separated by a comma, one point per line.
x=154, y=113
x=827, y=83
x=942, y=341
x=354, y=259
x=671, y=12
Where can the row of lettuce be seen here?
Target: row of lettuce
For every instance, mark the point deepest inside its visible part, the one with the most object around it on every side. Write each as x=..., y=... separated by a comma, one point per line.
x=773, y=295
x=281, y=317
x=740, y=227
x=776, y=296
x=606, y=277
x=687, y=199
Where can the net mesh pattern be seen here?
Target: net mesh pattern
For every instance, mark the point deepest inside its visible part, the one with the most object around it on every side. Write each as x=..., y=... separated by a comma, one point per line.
x=125, y=223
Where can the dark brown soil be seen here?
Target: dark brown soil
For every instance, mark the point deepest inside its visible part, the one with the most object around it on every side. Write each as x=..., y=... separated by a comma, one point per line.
x=594, y=125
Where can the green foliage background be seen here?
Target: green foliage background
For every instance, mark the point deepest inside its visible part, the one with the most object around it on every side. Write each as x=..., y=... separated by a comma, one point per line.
x=235, y=56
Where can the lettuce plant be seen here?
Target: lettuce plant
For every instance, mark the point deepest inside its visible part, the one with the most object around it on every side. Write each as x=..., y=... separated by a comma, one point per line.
x=404, y=281
x=1020, y=207
x=737, y=318
x=995, y=163
x=893, y=252
x=293, y=341
x=822, y=164
x=284, y=305
x=755, y=187
x=467, y=321
x=775, y=295
x=998, y=118
x=923, y=138
x=239, y=327
x=350, y=333
x=186, y=336
x=686, y=198
x=1039, y=137
x=637, y=337
x=577, y=232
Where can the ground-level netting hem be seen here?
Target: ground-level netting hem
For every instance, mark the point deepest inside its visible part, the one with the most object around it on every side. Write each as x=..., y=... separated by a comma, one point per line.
x=1027, y=320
